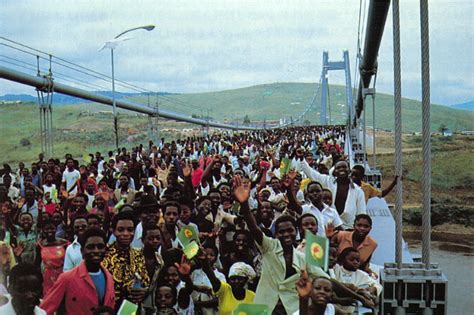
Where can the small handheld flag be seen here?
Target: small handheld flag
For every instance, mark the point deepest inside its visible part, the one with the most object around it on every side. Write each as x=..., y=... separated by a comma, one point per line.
x=251, y=309
x=285, y=165
x=317, y=250
x=127, y=308
x=189, y=239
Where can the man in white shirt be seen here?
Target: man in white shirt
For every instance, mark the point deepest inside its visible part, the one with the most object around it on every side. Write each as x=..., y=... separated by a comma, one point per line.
x=70, y=177
x=12, y=192
x=348, y=198
x=73, y=255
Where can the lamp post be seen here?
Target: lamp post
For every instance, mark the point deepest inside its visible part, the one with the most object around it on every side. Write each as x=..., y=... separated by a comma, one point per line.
x=112, y=44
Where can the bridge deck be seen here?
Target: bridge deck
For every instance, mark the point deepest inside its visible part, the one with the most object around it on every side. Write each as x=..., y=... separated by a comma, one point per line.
x=383, y=231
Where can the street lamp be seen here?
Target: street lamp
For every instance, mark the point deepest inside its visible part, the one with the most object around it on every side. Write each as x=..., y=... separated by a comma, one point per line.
x=112, y=44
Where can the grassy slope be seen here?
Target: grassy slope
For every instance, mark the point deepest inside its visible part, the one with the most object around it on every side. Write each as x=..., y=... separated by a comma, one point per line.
x=81, y=128
x=272, y=101
x=452, y=171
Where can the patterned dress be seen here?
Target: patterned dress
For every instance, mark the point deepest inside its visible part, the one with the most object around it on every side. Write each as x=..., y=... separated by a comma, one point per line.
x=52, y=258
x=123, y=265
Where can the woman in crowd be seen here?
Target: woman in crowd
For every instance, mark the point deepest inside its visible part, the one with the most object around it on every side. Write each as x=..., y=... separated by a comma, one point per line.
x=232, y=293
x=50, y=253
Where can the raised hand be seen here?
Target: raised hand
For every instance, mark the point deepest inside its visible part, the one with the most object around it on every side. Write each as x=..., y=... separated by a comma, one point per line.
x=18, y=249
x=186, y=168
x=241, y=190
x=184, y=268
x=329, y=229
x=304, y=285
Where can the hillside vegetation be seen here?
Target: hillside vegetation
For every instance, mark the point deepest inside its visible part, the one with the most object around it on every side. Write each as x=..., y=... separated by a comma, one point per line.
x=88, y=127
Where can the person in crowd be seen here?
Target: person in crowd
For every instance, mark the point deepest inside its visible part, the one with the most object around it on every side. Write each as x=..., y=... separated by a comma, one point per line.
x=347, y=271
x=314, y=296
x=165, y=299
x=12, y=192
x=233, y=293
x=359, y=239
x=348, y=198
x=172, y=275
x=151, y=238
x=306, y=222
x=279, y=258
x=204, y=299
x=123, y=191
x=149, y=213
x=58, y=220
x=169, y=228
x=203, y=207
x=25, y=287
x=87, y=286
x=27, y=236
x=30, y=205
x=126, y=264
x=326, y=216
x=78, y=206
x=327, y=197
x=240, y=250
x=93, y=221
x=50, y=252
x=73, y=255
x=357, y=175
x=70, y=178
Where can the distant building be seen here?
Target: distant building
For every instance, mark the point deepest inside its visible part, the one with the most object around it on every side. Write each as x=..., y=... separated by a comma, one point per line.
x=447, y=133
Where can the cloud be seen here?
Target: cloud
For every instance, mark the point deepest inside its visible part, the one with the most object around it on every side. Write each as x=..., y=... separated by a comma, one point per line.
x=202, y=46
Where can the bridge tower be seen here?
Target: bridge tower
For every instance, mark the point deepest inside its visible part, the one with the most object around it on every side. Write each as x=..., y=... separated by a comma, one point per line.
x=335, y=65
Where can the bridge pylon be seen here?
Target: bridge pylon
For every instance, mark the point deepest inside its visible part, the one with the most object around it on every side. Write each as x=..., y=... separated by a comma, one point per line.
x=335, y=65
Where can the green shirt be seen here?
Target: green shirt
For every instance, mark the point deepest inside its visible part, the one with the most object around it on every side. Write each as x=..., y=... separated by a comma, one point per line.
x=28, y=241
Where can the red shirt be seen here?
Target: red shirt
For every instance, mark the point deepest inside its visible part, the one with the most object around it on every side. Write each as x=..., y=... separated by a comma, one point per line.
x=196, y=177
x=78, y=291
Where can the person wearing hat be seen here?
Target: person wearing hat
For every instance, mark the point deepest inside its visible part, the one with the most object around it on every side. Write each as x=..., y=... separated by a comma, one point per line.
x=233, y=293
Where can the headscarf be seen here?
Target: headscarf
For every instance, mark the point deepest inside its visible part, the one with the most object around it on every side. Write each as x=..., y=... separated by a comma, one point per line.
x=242, y=270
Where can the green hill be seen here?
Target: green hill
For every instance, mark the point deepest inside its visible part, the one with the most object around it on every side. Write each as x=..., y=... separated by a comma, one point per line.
x=272, y=101
x=88, y=127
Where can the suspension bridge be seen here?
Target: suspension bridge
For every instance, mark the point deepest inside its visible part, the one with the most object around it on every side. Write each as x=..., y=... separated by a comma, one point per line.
x=409, y=287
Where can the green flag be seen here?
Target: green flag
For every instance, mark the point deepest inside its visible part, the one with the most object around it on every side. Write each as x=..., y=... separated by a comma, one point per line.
x=127, y=308
x=251, y=309
x=191, y=249
x=317, y=250
x=187, y=234
x=285, y=165
x=189, y=239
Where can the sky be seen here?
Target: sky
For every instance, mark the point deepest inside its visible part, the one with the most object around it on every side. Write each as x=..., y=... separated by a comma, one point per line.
x=200, y=46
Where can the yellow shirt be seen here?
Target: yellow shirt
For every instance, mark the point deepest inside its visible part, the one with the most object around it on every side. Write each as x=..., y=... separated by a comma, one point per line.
x=369, y=191
x=227, y=301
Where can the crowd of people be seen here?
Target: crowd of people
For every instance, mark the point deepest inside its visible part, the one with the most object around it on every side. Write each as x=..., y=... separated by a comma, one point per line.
x=90, y=235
